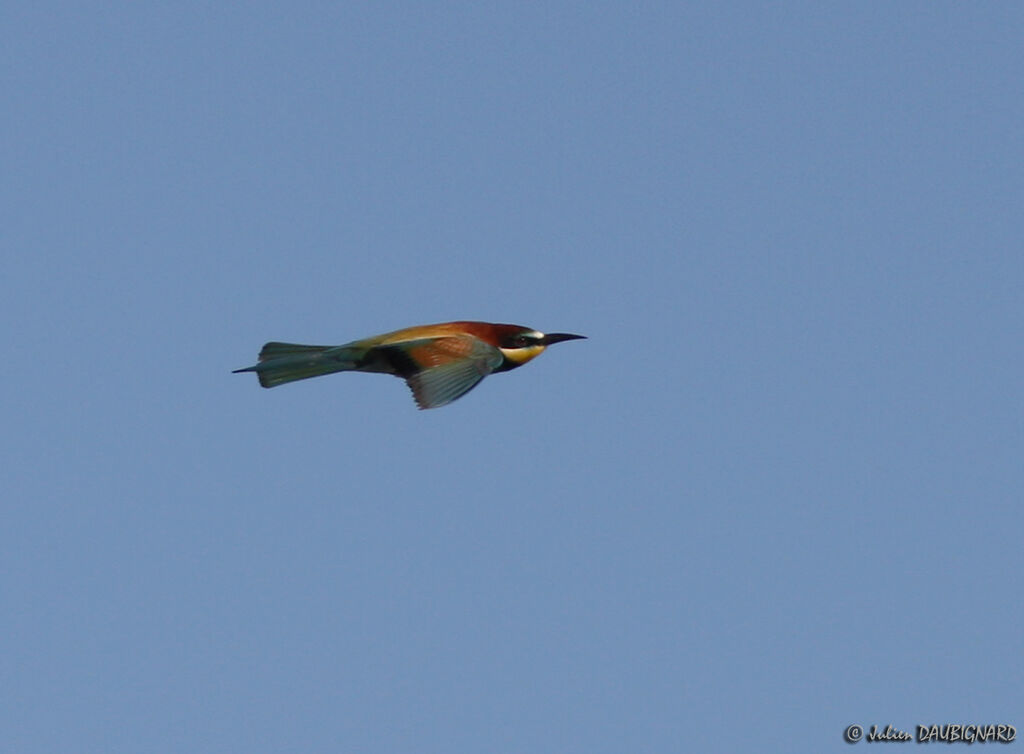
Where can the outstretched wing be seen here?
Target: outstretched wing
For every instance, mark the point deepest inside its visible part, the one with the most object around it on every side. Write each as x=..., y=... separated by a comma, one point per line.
x=439, y=370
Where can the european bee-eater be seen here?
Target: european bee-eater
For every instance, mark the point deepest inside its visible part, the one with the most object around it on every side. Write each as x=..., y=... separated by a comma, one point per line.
x=439, y=362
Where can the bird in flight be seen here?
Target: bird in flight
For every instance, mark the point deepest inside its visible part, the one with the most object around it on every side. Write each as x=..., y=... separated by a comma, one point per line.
x=439, y=362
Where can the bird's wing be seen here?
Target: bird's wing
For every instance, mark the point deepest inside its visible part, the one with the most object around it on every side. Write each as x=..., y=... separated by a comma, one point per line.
x=441, y=369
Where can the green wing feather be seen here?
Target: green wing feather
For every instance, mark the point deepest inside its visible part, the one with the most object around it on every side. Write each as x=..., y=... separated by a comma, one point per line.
x=451, y=366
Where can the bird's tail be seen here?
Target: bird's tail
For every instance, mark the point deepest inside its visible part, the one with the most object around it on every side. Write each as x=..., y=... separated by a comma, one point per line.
x=287, y=362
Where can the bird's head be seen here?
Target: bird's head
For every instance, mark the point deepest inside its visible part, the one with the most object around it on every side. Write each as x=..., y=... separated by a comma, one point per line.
x=521, y=344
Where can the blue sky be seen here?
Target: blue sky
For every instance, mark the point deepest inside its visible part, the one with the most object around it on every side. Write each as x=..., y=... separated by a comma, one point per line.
x=778, y=491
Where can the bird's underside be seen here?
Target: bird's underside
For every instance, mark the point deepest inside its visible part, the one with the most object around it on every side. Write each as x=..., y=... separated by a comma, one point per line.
x=437, y=369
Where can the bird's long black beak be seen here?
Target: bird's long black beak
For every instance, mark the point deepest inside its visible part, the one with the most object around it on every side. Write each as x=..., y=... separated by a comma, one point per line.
x=558, y=337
